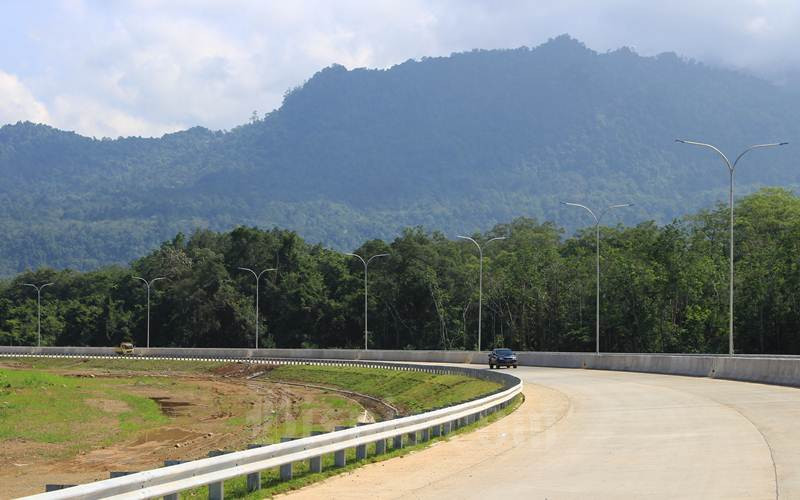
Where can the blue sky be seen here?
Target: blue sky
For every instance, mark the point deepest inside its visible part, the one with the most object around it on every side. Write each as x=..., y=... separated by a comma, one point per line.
x=147, y=67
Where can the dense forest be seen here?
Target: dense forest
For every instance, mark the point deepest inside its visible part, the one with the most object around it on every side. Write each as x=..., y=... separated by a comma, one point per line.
x=664, y=288
x=455, y=144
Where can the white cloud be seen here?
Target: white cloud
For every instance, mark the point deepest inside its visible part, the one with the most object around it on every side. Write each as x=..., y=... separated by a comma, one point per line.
x=18, y=103
x=92, y=118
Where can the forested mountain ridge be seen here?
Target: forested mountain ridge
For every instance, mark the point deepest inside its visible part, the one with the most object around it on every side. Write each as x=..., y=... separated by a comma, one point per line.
x=454, y=143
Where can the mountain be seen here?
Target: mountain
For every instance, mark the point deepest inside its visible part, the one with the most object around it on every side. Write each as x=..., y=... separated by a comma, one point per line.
x=455, y=143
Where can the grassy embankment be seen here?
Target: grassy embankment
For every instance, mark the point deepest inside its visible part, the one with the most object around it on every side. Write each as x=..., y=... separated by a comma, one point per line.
x=412, y=392
x=51, y=407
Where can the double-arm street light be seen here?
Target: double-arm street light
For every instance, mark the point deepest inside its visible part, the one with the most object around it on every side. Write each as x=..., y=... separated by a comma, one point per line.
x=148, y=284
x=731, y=169
x=38, y=309
x=597, y=261
x=258, y=278
x=480, y=279
x=366, y=267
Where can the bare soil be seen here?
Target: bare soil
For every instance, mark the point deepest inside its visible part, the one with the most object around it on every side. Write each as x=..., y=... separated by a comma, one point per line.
x=225, y=410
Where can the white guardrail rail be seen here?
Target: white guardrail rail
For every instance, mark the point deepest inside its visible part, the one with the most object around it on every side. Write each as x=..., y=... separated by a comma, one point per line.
x=170, y=480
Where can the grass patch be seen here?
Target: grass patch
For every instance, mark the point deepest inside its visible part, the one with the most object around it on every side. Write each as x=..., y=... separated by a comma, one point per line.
x=144, y=413
x=50, y=408
x=413, y=392
x=271, y=483
x=118, y=364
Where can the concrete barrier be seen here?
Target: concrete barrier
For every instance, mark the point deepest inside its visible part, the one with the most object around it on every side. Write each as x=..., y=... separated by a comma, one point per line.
x=780, y=370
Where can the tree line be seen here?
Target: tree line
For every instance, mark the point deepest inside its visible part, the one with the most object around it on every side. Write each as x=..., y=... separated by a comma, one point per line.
x=663, y=289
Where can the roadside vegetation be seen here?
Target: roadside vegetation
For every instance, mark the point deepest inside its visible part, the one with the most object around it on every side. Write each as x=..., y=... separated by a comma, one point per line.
x=92, y=415
x=413, y=392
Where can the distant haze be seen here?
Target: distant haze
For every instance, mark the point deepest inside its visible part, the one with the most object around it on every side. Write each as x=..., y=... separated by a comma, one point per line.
x=151, y=66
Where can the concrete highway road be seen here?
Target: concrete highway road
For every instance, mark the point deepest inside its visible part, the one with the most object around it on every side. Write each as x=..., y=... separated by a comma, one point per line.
x=585, y=434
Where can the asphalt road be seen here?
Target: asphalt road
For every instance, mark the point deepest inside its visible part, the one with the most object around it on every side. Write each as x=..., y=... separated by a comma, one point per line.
x=585, y=434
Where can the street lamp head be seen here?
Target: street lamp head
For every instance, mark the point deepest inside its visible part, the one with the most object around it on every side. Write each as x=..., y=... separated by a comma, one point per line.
x=782, y=143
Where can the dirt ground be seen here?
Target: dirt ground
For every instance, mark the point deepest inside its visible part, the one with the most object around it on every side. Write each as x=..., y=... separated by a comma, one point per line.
x=225, y=410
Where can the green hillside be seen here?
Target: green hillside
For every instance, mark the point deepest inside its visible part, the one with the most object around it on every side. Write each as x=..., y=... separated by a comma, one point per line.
x=457, y=144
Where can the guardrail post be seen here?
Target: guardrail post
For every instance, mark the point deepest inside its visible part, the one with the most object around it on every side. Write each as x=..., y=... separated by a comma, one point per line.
x=397, y=442
x=412, y=438
x=425, y=434
x=216, y=491
x=380, y=447
x=315, y=463
x=361, y=450
x=168, y=463
x=254, y=478
x=436, y=430
x=119, y=473
x=286, y=469
x=446, y=428
x=339, y=458
x=56, y=487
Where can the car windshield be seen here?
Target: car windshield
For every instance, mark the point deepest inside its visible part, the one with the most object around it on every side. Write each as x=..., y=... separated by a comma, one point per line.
x=503, y=352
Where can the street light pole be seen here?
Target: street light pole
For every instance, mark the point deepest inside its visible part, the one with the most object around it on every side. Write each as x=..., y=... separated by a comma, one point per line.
x=480, y=280
x=258, y=277
x=148, y=284
x=38, y=309
x=731, y=169
x=366, y=267
x=597, y=262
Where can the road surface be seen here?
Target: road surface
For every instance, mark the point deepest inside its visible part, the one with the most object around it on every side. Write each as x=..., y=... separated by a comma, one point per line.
x=584, y=434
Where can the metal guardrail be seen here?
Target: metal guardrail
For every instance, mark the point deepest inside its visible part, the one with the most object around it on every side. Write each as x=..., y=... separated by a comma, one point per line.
x=212, y=472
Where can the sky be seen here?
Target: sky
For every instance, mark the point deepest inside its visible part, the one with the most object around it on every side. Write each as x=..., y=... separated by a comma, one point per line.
x=114, y=68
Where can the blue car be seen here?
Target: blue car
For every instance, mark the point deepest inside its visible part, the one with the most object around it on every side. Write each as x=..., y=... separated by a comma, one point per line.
x=502, y=357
